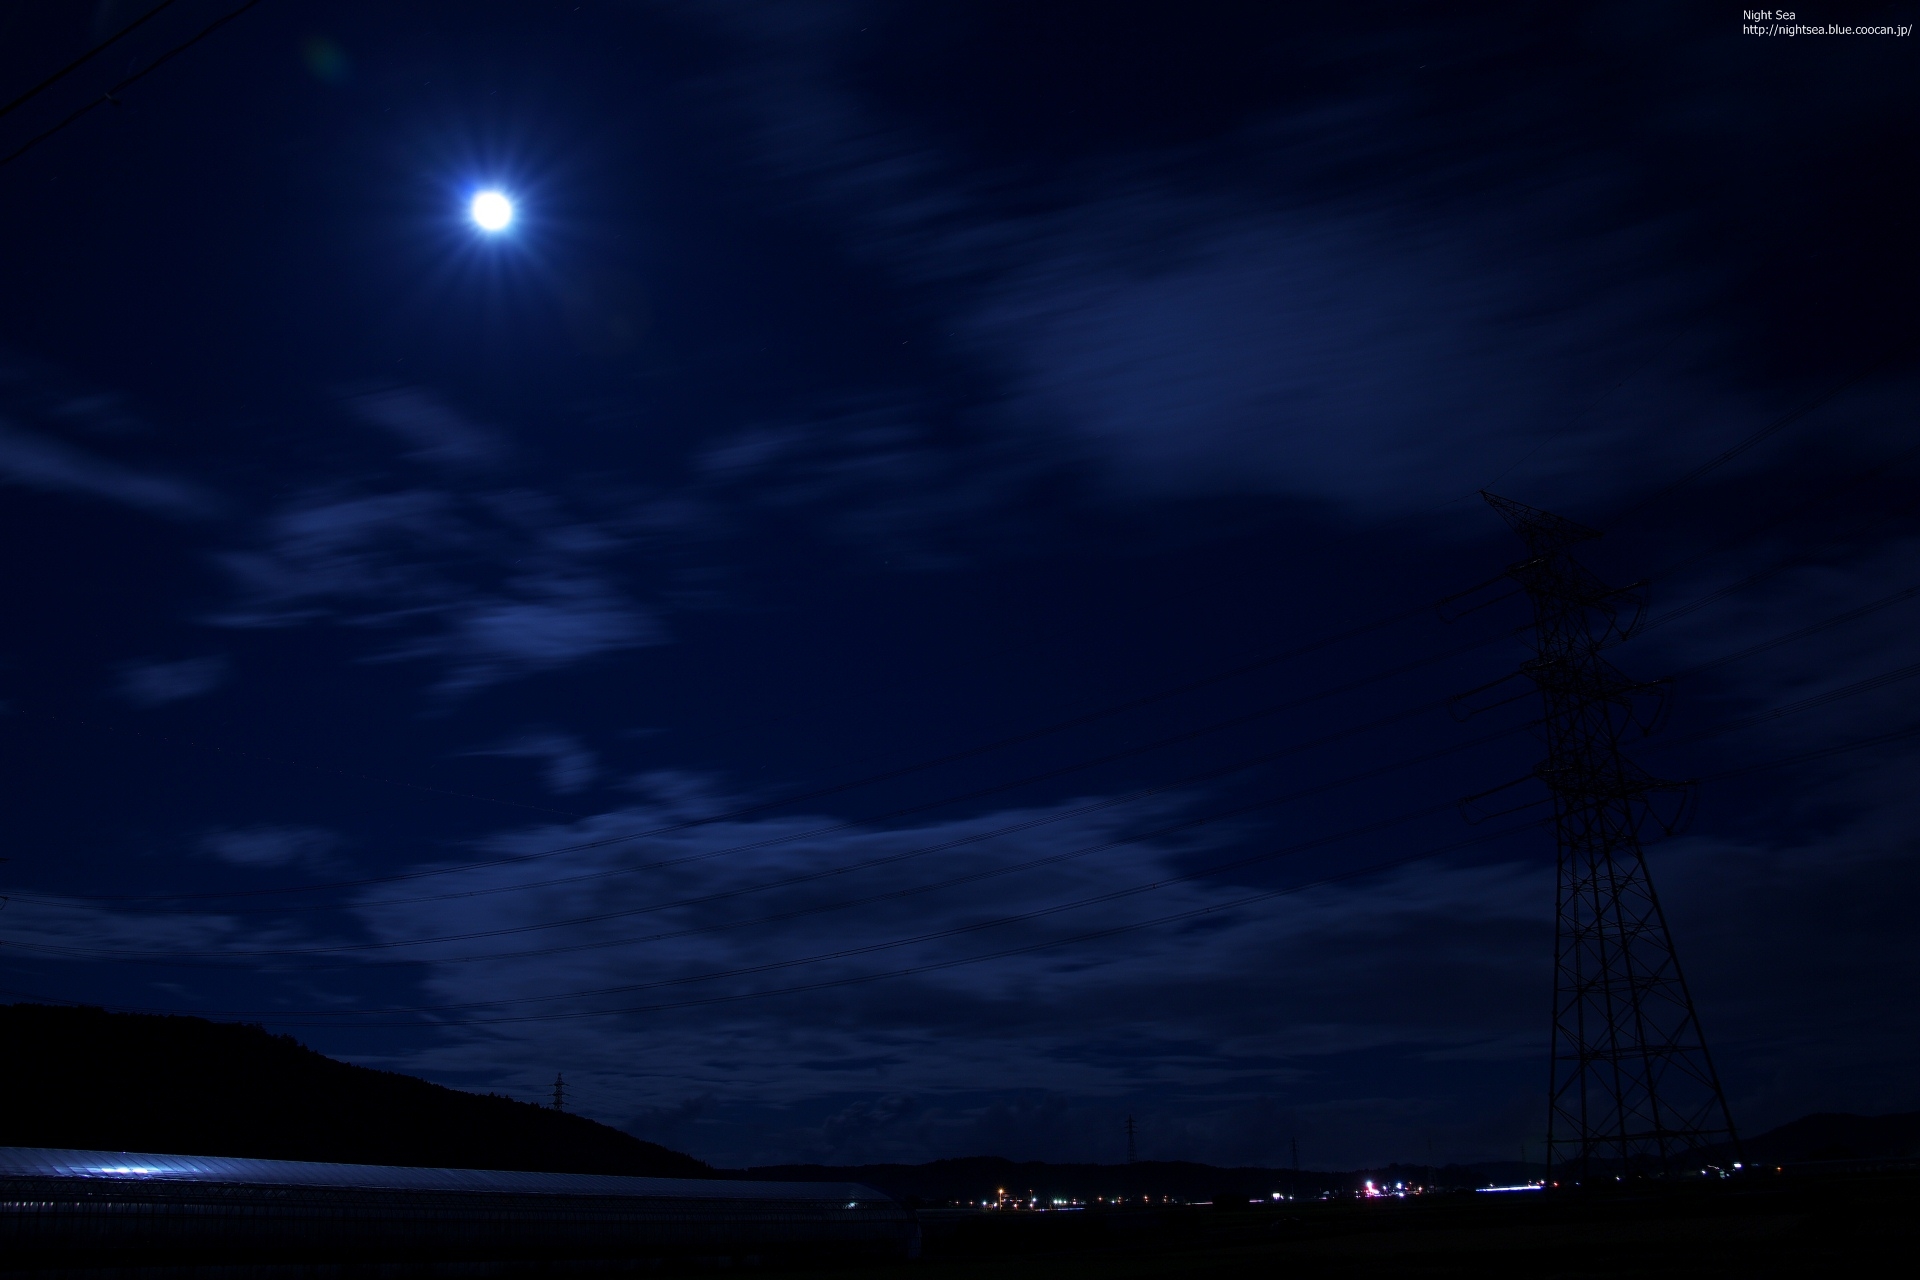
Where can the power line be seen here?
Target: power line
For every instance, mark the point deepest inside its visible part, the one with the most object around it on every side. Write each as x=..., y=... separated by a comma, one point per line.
x=1795, y=560
x=86, y=57
x=1818, y=753
x=998, y=744
x=1077, y=721
x=302, y=1018
x=1025, y=736
x=1801, y=633
x=1810, y=755
x=1823, y=699
x=853, y=824
x=1030, y=735
x=1858, y=687
x=795, y=837
x=1903, y=345
x=179, y=741
x=977, y=926
x=135, y=78
x=1861, y=686
x=1780, y=518
x=1208, y=775
x=1092, y=935
x=889, y=775
x=1187, y=824
x=1217, y=869
x=978, y=837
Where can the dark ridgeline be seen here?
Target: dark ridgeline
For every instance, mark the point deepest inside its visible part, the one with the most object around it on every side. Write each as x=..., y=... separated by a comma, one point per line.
x=1830, y=1136
x=971, y=1179
x=1804, y=1142
x=89, y=1079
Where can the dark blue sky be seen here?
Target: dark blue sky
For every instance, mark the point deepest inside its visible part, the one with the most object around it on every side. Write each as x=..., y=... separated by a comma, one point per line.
x=849, y=630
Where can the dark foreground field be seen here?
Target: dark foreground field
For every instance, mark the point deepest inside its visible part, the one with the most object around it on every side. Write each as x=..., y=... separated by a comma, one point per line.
x=1829, y=1226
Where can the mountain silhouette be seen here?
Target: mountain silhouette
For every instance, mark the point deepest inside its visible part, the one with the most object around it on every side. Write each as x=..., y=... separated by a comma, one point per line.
x=89, y=1079
x=1829, y=1136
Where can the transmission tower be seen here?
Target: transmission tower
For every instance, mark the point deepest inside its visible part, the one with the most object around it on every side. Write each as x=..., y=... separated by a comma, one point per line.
x=1633, y=1086
x=559, y=1091
x=1133, y=1154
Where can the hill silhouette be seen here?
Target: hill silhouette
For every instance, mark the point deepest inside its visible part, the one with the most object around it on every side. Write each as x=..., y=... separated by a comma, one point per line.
x=976, y=1178
x=1831, y=1136
x=971, y=1179
x=86, y=1078
x=95, y=1080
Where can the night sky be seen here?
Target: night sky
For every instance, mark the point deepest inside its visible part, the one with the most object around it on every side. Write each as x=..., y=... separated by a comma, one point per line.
x=892, y=613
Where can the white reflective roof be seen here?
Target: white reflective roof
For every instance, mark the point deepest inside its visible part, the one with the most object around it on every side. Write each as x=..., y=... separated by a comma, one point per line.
x=135, y=1166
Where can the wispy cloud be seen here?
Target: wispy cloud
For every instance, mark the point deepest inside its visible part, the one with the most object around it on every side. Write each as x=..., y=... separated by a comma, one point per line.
x=437, y=432
x=880, y=1070
x=878, y=477
x=570, y=765
x=156, y=682
x=1329, y=353
x=492, y=585
x=272, y=846
x=1312, y=302
x=43, y=463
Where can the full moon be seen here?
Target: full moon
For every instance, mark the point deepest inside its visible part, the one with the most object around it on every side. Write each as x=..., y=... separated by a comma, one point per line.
x=491, y=211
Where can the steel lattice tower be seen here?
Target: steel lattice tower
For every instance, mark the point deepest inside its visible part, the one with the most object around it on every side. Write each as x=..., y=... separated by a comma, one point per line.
x=1633, y=1086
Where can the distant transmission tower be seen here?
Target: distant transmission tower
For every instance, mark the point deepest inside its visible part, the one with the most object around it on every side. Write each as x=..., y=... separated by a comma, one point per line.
x=1633, y=1086
x=559, y=1092
x=1133, y=1154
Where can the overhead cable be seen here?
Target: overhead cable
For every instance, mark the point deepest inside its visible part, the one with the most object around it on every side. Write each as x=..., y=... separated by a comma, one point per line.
x=87, y=57
x=110, y=95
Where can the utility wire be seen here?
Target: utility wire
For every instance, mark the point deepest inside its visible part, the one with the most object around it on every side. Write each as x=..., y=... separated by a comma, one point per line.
x=1821, y=699
x=888, y=775
x=283, y=1016
x=1858, y=687
x=869, y=864
x=1098, y=713
x=135, y=78
x=971, y=838
x=975, y=926
x=1078, y=721
x=184, y=958
x=87, y=57
x=1866, y=685
x=1773, y=522
x=1131, y=839
x=1793, y=561
x=1427, y=854
x=1904, y=344
x=705, y=855
x=1091, y=935
x=858, y=979
x=175, y=740
x=1819, y=753
x=1801, y=633
x=1074, y=722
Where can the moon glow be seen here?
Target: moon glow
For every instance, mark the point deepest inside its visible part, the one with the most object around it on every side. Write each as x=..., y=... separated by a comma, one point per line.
x=491, y=211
